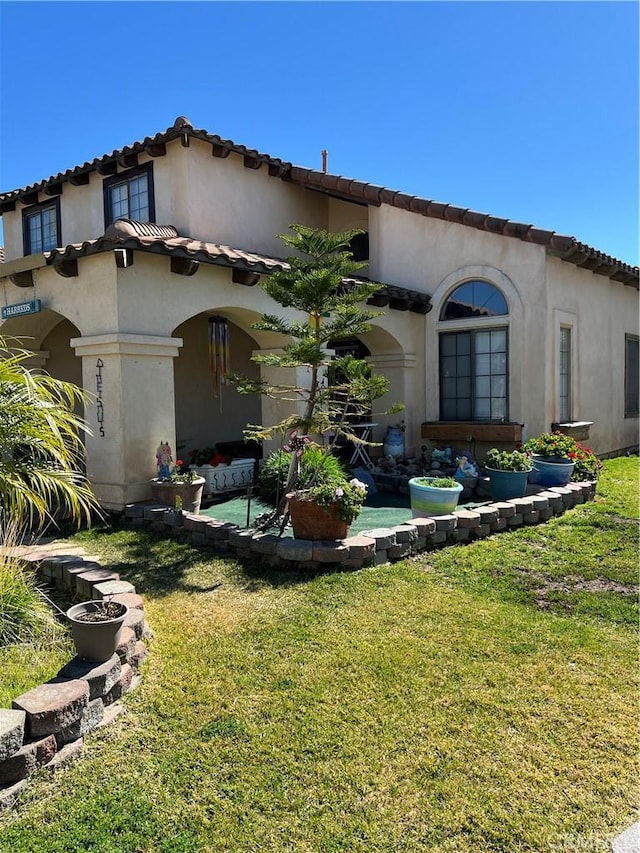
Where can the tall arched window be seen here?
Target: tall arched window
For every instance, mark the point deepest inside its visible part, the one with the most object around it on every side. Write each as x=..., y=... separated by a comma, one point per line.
x=474, y=360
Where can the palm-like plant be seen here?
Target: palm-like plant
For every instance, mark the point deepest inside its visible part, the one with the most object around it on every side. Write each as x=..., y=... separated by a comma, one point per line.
x=41, y=449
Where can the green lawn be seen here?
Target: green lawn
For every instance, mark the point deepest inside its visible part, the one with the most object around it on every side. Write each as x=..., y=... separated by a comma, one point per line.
x=478, y=698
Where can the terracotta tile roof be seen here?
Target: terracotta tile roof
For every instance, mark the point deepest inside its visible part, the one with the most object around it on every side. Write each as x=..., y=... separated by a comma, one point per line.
x=562, y=246
x=176, y=246
x=165, y=240
x=181, y=129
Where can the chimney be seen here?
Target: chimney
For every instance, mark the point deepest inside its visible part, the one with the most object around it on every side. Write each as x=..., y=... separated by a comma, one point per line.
x=325, y=154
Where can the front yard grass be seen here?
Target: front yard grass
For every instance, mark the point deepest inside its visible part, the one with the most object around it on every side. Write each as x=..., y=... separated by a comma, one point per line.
x=478, y=699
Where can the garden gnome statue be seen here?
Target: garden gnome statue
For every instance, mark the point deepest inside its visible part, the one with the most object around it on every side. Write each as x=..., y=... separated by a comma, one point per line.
x=164, y=460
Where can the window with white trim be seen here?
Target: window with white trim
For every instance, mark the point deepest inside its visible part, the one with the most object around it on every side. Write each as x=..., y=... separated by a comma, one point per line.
x=474, y=362
x=631, y=377
x=565, y=374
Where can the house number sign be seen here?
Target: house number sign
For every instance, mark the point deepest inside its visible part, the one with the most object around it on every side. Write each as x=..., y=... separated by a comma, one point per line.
x=99, y=403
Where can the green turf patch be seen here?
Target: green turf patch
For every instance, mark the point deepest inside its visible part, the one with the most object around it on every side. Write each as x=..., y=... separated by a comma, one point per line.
x=428, y=705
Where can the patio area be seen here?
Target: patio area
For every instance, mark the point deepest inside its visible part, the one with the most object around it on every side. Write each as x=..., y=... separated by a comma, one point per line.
x=384, y=509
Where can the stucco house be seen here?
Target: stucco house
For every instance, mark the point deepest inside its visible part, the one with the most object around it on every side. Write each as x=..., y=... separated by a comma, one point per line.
x=118, y=269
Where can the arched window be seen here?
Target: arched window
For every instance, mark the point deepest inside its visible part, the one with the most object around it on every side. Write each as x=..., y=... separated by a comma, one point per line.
x=474, y=299
x=474, y=361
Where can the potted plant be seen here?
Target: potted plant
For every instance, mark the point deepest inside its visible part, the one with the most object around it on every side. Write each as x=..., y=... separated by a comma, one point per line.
x=315, y=469
x=433, y=495
x=96, y=627
x=326, y=511
x=587, y=466
x=551, y=458
x=318, y=282
x=176, y=485
x=508, y=473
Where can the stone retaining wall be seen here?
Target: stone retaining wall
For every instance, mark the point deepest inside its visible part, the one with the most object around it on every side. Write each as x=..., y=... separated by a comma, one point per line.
x=46, y=726
x=371, y=547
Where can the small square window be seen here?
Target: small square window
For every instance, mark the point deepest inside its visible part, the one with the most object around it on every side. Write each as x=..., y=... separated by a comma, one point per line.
x=41, y=227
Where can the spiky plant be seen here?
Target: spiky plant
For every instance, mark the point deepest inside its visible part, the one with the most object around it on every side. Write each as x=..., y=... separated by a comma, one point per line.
x=41, y=449
x=25, y=615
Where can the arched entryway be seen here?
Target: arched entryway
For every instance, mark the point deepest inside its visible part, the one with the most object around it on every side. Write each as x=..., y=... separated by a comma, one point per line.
x=47, y=334
x=208, y=411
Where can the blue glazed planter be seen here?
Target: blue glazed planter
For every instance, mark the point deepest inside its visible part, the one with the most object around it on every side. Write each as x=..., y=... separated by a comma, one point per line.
x=507, y=484
x=427, y=501
x=551, y=471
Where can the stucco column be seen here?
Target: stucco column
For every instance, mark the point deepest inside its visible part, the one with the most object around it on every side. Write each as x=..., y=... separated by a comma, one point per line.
x=397, y=368
x=130, y=378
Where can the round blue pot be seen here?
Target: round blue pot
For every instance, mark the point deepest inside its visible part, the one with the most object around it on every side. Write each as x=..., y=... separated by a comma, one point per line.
x=507, y=484
x=427, y=500
x=551, y=471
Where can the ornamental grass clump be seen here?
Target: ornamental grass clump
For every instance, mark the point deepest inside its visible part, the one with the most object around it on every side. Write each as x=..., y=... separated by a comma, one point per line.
x=315, y=467
x=26, y=616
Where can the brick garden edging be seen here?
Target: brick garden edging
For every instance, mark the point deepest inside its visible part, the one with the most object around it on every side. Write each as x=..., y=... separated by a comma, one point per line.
x=371, y=547
x=45, y=727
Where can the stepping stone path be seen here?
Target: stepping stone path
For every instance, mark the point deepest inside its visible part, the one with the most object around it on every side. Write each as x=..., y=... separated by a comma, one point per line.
x=46, y=726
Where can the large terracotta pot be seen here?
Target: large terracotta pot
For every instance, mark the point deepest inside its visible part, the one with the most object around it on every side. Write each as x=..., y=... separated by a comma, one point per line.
x=186, y=496
x=314, y=522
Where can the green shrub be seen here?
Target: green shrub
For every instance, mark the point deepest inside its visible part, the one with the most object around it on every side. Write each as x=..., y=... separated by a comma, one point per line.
x=508, y=460
x=24, y=615
x=273, y=472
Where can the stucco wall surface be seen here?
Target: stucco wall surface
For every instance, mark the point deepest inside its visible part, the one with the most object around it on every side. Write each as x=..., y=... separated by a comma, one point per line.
x=599, y=312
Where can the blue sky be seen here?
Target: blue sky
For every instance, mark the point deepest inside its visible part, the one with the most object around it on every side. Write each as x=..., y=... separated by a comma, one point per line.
x=523, y=110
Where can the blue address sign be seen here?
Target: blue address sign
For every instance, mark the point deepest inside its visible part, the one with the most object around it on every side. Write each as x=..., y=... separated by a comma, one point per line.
x=21, y=308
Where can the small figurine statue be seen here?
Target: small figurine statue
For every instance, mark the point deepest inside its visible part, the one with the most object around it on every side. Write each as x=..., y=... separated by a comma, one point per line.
x=465, y=469
x=164, y=460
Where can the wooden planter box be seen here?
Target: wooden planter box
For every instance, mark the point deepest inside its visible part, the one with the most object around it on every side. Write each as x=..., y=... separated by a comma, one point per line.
x=468, y=431
x=576, y=429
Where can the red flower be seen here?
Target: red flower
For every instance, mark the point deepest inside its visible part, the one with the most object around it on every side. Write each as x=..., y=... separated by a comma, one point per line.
x=179, y=463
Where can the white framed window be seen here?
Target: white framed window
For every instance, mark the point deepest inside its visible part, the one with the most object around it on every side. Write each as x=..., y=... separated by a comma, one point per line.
x=631, y=376
x=564, y=385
